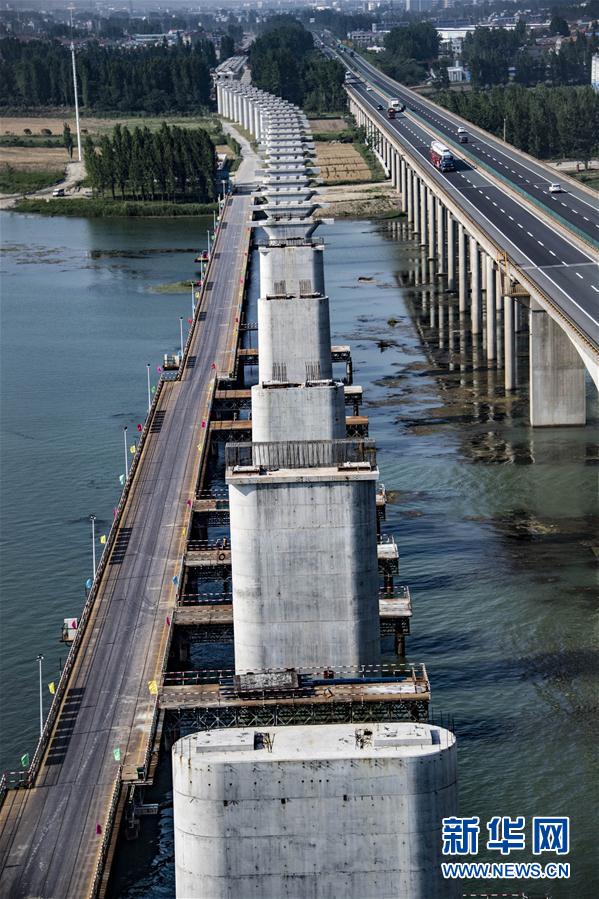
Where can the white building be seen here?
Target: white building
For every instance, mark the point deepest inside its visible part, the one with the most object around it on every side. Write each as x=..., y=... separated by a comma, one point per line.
x=595, y=72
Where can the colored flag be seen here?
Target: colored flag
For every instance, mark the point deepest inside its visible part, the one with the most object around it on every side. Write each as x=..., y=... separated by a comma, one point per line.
x=175, y=580
x=197, y=294
x=158, y=369
x=73, y=624
x=153, y=687
x=117, y=754
x=25, y=760
x=203, y=422
x=115, y=512
x=139, y=428
x=88, y=584
x=98, y=829
x=132, y=448
x=168, y=621
x=213, y=365
x=189, y=502
x=190, y=321
x=52, y=688
x=121, y=479
x=103, y=538
x=154, y=388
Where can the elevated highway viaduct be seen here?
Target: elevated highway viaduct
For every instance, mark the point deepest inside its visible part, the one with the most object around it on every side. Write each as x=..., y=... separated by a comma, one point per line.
x=495, y=243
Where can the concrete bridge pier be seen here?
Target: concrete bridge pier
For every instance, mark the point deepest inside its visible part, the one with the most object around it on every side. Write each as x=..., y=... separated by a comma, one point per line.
x=451, y=268
x=491, y=318
x=430, y=214
x=557, y=374
x=462, y=270
x=410, y=196
x=404, y=188
x=475, y=289
x=441, y=253
x=416, y=204
x=423, y=219
x=509, y=344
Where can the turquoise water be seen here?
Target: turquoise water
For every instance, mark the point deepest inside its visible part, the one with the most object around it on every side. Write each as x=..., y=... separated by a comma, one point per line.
x=495, y=523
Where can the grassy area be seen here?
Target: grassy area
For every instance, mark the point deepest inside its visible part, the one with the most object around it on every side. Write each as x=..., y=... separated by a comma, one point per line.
x=99, y=208
x=591, y=179
x=377, y=172
x=175, y=287
x=15, y=181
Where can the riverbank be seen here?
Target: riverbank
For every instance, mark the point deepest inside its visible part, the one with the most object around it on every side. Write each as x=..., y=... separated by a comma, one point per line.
x=366, y=200
x=99, y=208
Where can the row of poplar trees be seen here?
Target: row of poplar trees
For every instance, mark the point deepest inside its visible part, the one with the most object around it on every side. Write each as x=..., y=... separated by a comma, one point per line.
x=169, y=164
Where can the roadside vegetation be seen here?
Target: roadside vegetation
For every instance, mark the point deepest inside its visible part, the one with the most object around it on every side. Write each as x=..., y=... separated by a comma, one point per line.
x=546, y=122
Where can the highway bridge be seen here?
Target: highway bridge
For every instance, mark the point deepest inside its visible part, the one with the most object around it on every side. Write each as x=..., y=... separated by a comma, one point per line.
x=54, y=836
x=497, y=234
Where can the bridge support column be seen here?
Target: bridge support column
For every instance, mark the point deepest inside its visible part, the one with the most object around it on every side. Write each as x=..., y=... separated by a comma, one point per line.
x=462, y=269
x=475, y=291
x=430, y=212
x=423, y=193
x=557, y=388
x=409, y=195
x=404, y=182
x=491, y=322
x=416, y=205
x=441, y=254
x=509, y=344
x=450, y=252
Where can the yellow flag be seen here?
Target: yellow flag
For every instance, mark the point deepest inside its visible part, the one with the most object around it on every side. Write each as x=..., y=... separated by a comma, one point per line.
x=132, y=448
x=52, y=688
x=153, y=687
x=103, y=538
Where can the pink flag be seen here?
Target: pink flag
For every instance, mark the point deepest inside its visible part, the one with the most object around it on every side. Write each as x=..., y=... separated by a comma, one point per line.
x=158, y=368
x=203, y=422
x=214, y=365
x=190, y=321
x=189, y=502
x=168, y=621
x=114, y=513
x=139, y=428
x=98, y=828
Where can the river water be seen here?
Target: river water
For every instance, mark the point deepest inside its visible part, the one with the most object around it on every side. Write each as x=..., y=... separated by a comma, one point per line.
x=496, y=524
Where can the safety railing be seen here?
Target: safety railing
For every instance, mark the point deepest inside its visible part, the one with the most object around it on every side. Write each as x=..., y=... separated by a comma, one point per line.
x=300, y=454
x=106, y=836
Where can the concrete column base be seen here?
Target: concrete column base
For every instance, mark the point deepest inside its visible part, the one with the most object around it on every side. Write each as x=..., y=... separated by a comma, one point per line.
x=557, y=388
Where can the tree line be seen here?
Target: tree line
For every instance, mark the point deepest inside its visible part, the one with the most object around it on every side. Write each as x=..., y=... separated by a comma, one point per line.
x=169, y=164
x=490, y=53
x=284, y=62
x=409, y=51
x=151, y=79
x=547, y=122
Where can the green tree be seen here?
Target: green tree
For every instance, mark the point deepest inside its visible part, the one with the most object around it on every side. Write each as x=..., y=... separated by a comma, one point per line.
x=558, y=25
x=67, y=139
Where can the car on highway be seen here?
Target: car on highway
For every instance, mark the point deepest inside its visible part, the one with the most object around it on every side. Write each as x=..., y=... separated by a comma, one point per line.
x=555, y=188
x=379, y=106
x=368, y=88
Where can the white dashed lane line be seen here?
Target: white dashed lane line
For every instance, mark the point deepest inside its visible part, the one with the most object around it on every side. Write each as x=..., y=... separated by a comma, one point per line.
x=578, y=275
x=552, y=253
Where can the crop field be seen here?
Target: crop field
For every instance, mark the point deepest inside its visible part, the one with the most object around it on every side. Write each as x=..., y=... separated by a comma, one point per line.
x=341, y=163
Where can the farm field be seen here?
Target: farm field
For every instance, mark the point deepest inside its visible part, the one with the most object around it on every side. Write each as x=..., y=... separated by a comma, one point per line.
x=341, y=163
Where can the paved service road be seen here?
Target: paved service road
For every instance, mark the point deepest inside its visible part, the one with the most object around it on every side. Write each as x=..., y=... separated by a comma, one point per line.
x=48, y=840
x=574, y=206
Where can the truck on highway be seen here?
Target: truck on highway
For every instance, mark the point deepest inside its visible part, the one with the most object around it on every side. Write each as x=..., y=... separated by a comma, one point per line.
x=442, y=157
x=462, y=135
x=394, y=103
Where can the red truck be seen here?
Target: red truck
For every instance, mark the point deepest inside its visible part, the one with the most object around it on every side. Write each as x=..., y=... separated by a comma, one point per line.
x=442, y=157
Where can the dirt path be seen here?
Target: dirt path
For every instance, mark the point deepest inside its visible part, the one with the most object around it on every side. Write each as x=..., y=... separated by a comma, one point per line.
x=75, y=172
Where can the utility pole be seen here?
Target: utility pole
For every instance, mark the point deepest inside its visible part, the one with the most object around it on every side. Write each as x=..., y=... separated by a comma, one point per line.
x=76, y=102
